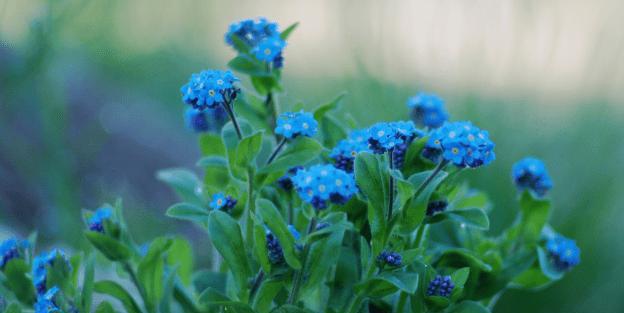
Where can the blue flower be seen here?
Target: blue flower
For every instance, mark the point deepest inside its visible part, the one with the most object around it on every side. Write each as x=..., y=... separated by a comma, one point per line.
x=530, y=173
x=251, y=32
x=428, y=110
x=276, y=253
x=208, y=120
x=285, y=182
x=346, y=150
x=222, y=202
x=460, y=143
x=46, y=302
x=389, y=258
x=292, y=124
x=39, y=268
x=384, y=136
x=209, y=89
x=436, y=206
x=96, y=221
x=441, y=286
x=10, y=249
x=269, y=49
x=563, y=252
x=321, y=183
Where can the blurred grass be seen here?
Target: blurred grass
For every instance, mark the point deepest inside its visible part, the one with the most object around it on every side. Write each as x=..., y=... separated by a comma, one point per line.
x=84, y=119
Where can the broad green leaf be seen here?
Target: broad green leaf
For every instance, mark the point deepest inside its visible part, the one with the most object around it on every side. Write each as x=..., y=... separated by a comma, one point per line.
x=297, y=152
x=210, y=161
x=227, y=238
x=265, y=84
x=13, y=308
x=459, y=257
x=211, y=145
x=365, y=253
x=388, y=283
x=240, y=45
x=114, y=290
x=104, y=307
x=332, y=130
x=111, y=248
x=205, y=279
x=459, y=278
x=469, y=307
x=189, y=212
x=150, y=271
x=404, y=190
x=266, y=294
x=531, y=279
x=322, y=109
x=180, y=254
x=168, y=287
x=87, y=285
x=184, y=182
x=274, y=220
x=286, y=33
x=415, y=208
x=371, y=175
x=247, y=150
x=231, y=141
x=535, y=213
x=260, y=246
x=249, y=65
x=476, y=218
x=321, y=258
x=212, y=299
x=16, y=271
x=413, y=162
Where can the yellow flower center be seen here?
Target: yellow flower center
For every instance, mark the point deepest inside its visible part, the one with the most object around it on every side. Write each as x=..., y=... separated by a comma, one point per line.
x=211, y=92
x=267, y=51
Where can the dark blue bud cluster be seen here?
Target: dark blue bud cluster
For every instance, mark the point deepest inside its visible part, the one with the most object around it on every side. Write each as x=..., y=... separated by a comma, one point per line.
x=563, y=252
x=285, y=182
x=346, y=150
x=222, y=202
x=96, y=221
x=389, y=258
x=275, y=251
x=530, y=173
x=208, y=120
x=436, y=206
x=440, y=286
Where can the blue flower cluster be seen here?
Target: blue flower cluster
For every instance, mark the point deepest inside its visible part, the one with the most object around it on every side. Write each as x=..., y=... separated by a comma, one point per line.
x=96, y=221
x=321, y=183
x=276, y=253
x=292, y=124
x=40, y=271
x=46, y=302
x=285, y=182
x=563, y=252
x=222, y=202
x=440, y=286
x=436, y=206
x=209, y=89
x=10, y=249
x=461, y=143
x=261, y=36
x=530, y=173
x=388, y=136
x=389, y=258
x=428, y=110
x=208, y=120
x=346, y=150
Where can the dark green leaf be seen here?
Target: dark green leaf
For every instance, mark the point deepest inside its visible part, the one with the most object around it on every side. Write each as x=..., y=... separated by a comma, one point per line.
x=413, y=162
x=535, y=213
x=469, y=307
x=87, y=285
x=388, y=283
x=104, y=307
x=114, y=290
x=371, y=175
x=458, y=257
x=16, y=271
x=322, y=109
x=299, y=151
x=111, y=248
x=213, y=299
x=475, y=218
x=180, y=254
x=247, y=150
x=416, y=207
x=274, y=220
x=260, y=246
x=266, y=294
x=286, y=33
x=248, y=65
x=211, y=145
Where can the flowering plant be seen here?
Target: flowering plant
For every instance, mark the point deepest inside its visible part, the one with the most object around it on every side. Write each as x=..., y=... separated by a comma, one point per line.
x=304, y=214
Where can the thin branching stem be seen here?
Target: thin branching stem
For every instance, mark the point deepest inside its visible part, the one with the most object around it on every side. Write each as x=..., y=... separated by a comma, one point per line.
x=278, y=148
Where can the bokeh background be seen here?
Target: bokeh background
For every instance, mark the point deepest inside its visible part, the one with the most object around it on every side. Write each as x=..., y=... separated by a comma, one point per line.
x=90, y=106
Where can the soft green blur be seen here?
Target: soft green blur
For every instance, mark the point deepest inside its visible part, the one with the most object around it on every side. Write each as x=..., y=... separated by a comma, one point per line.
x=90, y=106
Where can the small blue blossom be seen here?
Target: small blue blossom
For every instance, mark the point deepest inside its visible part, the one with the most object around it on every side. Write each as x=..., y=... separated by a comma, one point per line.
x=460, y=143
x=46, y=302
x=440, y=286
x=389, y=258
x=251, y=32
x=39, y=268
x=292, y=124
x=276, y=253
x=208, y=120
x=222, y=202
x=563, y=252
x=10, y=249
x=321, y=183
x=436, y=206
x=285, y=182
x=209, y=89
x=384, y=136
x=428, y=110
x=530, y=173
x=96, y=221
x=269, y=49
x=346, y=150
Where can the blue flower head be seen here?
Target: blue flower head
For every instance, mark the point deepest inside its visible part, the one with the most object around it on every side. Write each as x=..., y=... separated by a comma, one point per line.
x=96, y=221
x=384, y=136
x=461, y=143
x=208, y=120
x=46, y=303
x=276, y=253
x=261, y=36
x=10, y=249
x=285, y=182
x=530, y=173
x=40, y=268
x=269, y=49
x=222, y=202
x=428, y=110
x=389, y=258
x=209, y=89
x=440, y=286
x=321, y=183
x=292, y=124
x=563, y=252
x=346, y=150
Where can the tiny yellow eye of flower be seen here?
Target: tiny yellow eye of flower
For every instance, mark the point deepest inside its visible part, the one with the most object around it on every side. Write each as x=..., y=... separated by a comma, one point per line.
x=353, y=153
x=338, y=182
x=219, y=81
x=380, y=133
x=267, y=51
x=455, y=151
x=211, y=92
x=287, y=126
x=305, y=125
x=219, y=202
x=321, y=188
x=437, y=142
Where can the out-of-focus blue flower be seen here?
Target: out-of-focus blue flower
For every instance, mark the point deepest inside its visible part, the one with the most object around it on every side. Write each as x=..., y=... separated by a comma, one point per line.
x=285, y=182
x=209, y=89
x=222, y=202
x=251, y=32
x=276, y=253
x=292, y=124
x=346, y=150
x=10, y=249
x=40, y=271
x=46, y=302
x=563, y=252
x=428, y=110
x=96, y=221
x=441, y=286
x=388, y=136
x=530, y=173
x=461, y=143
x=321, y=183
x=389, y=258
x=269, y=49
x=208, y=120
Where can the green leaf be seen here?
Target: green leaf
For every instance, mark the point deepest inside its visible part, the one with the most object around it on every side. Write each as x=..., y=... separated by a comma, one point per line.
x=371, y=175
x=180, y=254
x=322, y=258
x=246, y=64
x=260, y=246
x=184, y=182
x=151, y=269
x=469, y=307
x=299, y=151
x=104, y=307
x=535, y=213
x=209, y=161
x=416, y=207
x=227, y=238
x=332, y=130
x=531, y=279
x=189, y=212
x=16, y=271
x=476, y=218
x=111, y=248
x=286, y=33
x=168, y=287
x=460, y=276
x=240, y=45
x=459, y=257
x=87, y=285
x=212, y=299
x=231, y=141
x=13, y=308
x=274, y=220
x=365, y=253
x=265, y=84
x=322, y=109
x=266, y=294
x=388, y=283
x=211, y=145
x=114, y=290
x=247, y=150
x=413, y=162
x=548, y=267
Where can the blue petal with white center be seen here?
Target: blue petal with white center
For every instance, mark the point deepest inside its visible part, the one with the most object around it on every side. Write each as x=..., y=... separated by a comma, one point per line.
x=293, y=124
x=460, y=143
x=322, y=183
x=209, y=89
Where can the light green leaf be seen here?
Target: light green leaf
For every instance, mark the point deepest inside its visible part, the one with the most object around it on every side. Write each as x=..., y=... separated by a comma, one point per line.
x=16, y=271
x=266, y=294
x=189, y=212
x=476, y=218
x=87, y=285
x=212, y=161
x=249, y=65
x=104, y=307
x=151, y=269
x=247, y=150
x=211, y=145
x=114, y=290
x=184, y=182
x=535, y=213
x=180, y=254
x=416, y=207
x=286, y=33
x=111, y=248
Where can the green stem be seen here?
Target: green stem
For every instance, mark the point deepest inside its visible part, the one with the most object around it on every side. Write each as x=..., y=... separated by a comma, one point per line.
x=250, y=209
x=279, y=147
x=256, y=285
x=391, y=183
x=135, y=280
x=298, y=279
x=230, y=112
x=430, y=178
x=401, y=303
x=355, y=304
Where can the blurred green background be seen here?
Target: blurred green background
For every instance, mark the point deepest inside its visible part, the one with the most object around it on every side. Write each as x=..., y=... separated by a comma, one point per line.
x=90, y=106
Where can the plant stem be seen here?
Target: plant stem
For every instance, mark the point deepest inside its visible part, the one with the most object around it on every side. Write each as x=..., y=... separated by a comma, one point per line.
x=271, y=105
x=135, y=280
x=430, y=178
x=279, y=147
x=298, y=279
x=256, y=284
x=355, y=304
x=230, y=112
x=401, y=302
x=250, y=209
x=420, y=234
x=391, y=189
